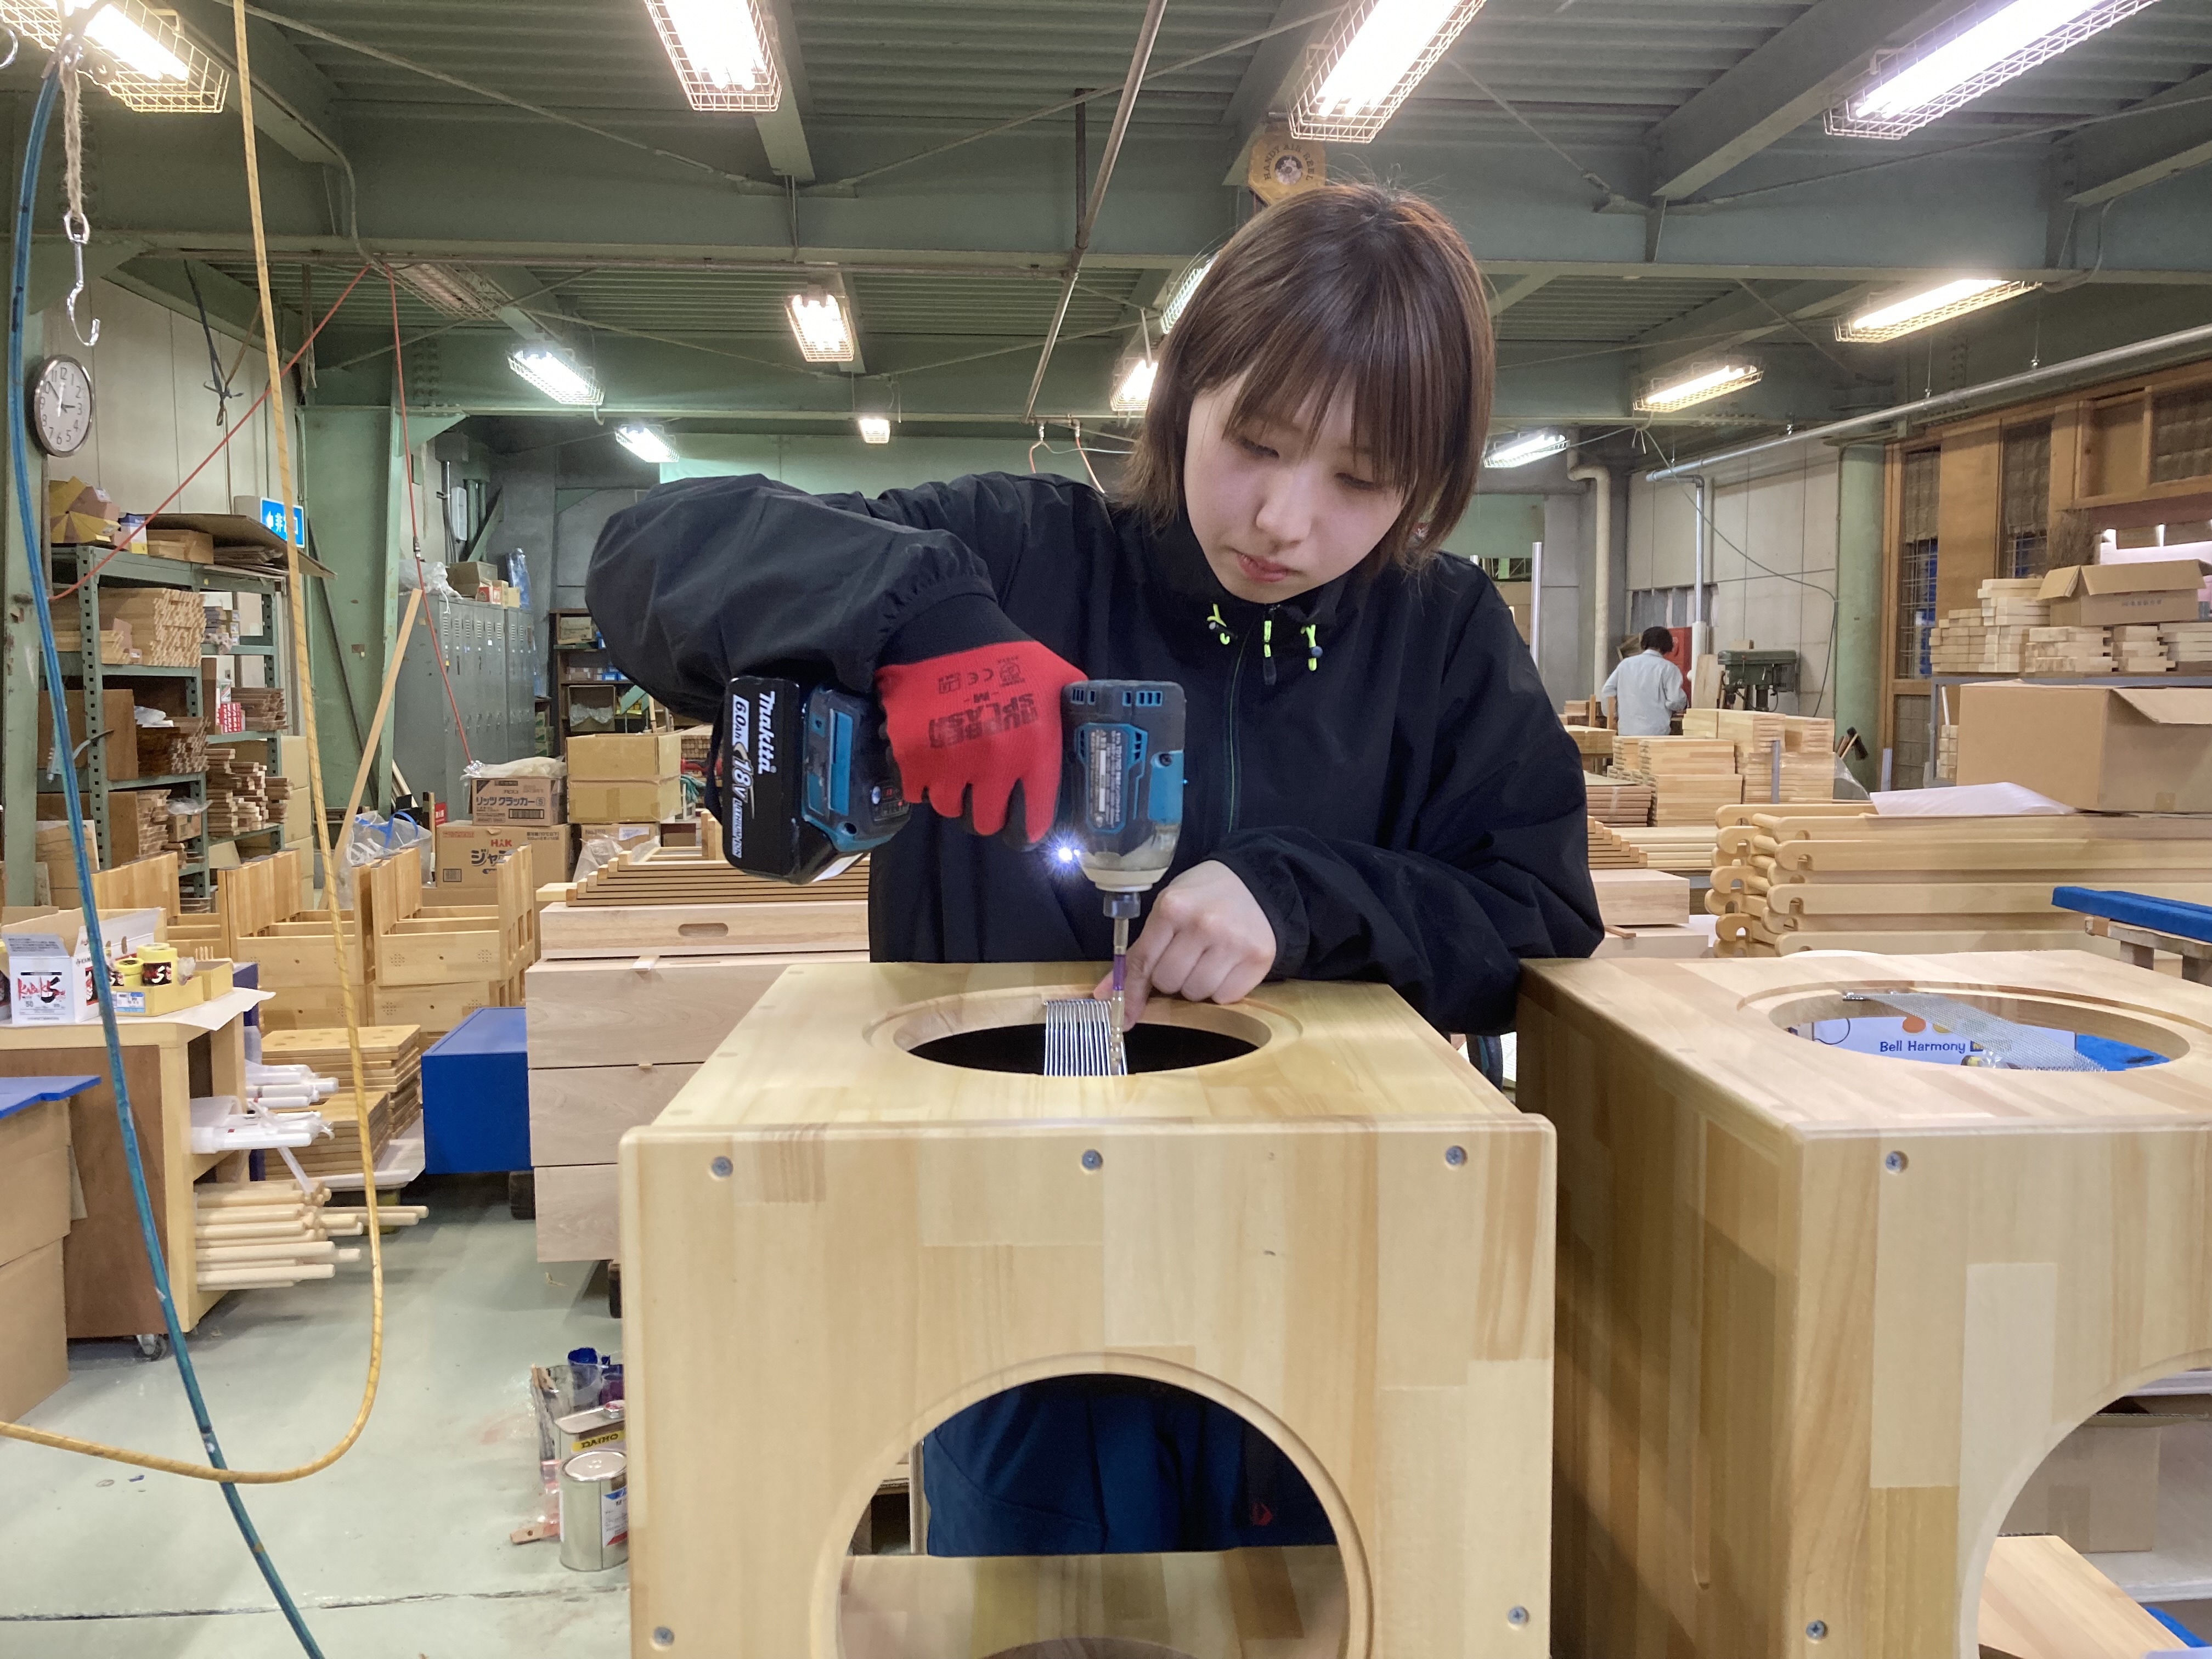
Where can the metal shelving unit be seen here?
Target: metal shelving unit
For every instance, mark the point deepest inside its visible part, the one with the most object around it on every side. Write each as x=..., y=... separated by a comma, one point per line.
x=627, y=702
x=1937, y=684
x=85, y=672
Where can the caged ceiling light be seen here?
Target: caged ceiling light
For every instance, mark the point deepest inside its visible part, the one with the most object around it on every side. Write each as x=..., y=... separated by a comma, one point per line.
x=135, y=54
x=722, y=51
x=1955, y=64
x=825, y=334
x=552, y=373
x=645, y=442
x=875, y=428
x=1133, y=387
x=1180, y=292
x=1902, y=312
x=1523, y=448
x=452, y=291
x=1370, y=64
x=1698, y=386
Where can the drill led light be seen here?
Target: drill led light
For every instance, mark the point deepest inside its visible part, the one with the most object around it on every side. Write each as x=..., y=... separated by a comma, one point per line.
x=819, y=320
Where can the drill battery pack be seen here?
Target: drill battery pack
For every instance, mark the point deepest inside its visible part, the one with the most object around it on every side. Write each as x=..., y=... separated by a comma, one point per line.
x=809, y=786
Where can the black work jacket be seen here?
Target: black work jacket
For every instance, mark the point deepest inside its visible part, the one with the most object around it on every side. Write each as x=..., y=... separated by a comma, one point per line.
x=1402, y=802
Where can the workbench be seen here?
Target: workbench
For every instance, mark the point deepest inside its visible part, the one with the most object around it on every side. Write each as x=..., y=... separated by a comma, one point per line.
x=197, y=1050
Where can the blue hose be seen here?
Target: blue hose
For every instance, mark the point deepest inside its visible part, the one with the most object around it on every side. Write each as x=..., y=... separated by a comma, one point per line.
x=26, y=192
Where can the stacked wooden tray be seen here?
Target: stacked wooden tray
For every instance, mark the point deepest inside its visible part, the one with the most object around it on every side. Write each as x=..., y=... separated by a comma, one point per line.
x=1844, y=878
x=391, y=1074
x=678, y=902
x=1607, y=851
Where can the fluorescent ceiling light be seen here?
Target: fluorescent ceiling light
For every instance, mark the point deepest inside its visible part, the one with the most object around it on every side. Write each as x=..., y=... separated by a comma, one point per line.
x=1373, y=59
x=875, y=428
x=1134, y=389
x=1900, y=313
x=644, y=442
x=553, y=374
x=825, y=334
x=453, y=291
x=1523, y=448
x=720, y=49
x=137, y=54
x=1701, y=385
x=1957, y=64
x=1179, y=295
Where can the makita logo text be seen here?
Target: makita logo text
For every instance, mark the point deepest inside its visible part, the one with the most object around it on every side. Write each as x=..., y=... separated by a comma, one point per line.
x=766, y=763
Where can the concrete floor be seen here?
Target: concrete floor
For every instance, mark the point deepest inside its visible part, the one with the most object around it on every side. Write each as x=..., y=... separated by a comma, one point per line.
x=399, y=1550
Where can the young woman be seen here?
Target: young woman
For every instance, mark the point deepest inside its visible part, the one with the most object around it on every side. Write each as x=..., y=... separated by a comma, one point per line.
x=1377, y=787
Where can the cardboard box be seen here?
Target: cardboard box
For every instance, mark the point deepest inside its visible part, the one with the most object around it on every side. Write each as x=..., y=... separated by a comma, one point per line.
x=2097, y=748
x=50, y=965
x=2099, y=1489
x=34, y=1184
x=622, y=758
x=119, y=727
x=469, y=853
x=469, y=576
x=596, y=801
x=2100, y=595
x=192, y=546
x=575, y=630
x=33, y=1330
x=515, y=800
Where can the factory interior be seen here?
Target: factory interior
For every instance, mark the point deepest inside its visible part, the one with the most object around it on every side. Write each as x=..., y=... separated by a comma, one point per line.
x=1151, y=829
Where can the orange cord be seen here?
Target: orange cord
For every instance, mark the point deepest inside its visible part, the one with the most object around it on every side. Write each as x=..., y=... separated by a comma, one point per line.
x=209, y=459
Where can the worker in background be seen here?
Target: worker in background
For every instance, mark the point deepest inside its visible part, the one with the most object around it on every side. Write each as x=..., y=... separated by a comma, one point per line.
x=1644, y=692
x=1378, y=787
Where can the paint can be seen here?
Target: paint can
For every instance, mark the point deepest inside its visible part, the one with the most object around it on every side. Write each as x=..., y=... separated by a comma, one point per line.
x=595, y=1511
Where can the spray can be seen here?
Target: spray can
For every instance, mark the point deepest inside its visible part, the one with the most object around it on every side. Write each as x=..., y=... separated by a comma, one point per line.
x=595, y=1511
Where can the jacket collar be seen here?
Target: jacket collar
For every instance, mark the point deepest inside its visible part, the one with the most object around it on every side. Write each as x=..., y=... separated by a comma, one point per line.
x=1192, y=586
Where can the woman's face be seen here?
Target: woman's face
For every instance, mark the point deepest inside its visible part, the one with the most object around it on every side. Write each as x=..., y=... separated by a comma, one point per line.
x=1281, y=508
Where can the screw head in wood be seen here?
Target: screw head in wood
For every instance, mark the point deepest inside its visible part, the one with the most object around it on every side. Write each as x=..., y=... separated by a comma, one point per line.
x=1516, y=1615
x=1454, y=1156
x=1895, y=1163
x=1092, y=1159
x=719, y=1169
x=1817, y=1630
x=662, y=1636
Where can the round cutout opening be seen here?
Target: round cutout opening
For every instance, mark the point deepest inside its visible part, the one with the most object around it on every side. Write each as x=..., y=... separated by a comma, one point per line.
x=1151, y=1048
x=1944, y=1025
x=996, y=1534
x=1004, y=1031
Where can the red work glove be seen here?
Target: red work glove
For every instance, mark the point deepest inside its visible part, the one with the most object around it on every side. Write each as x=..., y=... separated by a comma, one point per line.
x=968, y=729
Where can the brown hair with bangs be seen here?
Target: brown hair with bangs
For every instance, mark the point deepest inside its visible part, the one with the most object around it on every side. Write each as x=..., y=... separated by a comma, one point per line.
x=1348, y=287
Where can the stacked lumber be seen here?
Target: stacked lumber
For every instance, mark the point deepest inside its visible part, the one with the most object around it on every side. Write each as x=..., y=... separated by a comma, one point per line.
x=263, y=705
x=1684, y=850
x=1641, y=898
x=1992, y=638
x=1802, y=743
x=1798, y=877
x=2068, y=651
x=1607, y=851
x=139, y=821
x=391, y=1079
x=166, y=623
x=237, y=793
x=1593, y=743
x=187, y=820
x=2138, y=649
x=276, y=796
x=261, y=1235
x=178, y=747
x=1690, y=778
x=1947, y=752
x=117, y=648
x=2187, y=645
x=1618, y=803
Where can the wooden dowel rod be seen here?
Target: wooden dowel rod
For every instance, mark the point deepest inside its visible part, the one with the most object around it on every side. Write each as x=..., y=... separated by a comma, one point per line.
x=236, y=1194
x=241, y=1277
x=305, y=1250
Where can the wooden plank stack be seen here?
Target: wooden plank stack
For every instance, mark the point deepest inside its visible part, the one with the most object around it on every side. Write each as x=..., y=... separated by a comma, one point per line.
x=2187, y=645
x=263, y=706
x=166, y=624
x=139, y=820
x=1690, y=778
x=1607, y=851
x=1841, y=878
x=237, y=793
x=1593, y=743
x=117, y=648
x=181, y=746
x=1617, y=803
x=1803, y=743
x=1685, y=849
x=2138, y=649
x=392, y=1075
x=2068, y=651
x=1992, y=638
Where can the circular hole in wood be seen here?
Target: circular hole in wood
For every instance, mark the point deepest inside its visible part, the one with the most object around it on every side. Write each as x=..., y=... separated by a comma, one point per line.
x=1090, y=1647
x=1858, y=1020
x=1021, y=1047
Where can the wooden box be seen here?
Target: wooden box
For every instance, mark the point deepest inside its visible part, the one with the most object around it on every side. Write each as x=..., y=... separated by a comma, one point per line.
x=1822, y=1314
x=831, y=1244
x=630, y=1010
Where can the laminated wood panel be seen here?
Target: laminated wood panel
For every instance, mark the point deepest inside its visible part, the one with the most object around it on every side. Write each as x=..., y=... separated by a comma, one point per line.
x=578, y=1113
x=1968, y=492
x=576, y=1213
x=686, y=929
x=1822, y=1314
x=621, y=1010
x=831, y=1244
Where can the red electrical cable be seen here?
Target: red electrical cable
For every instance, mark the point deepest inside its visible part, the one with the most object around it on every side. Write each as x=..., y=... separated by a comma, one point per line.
x=209, y=457
x=414, y=530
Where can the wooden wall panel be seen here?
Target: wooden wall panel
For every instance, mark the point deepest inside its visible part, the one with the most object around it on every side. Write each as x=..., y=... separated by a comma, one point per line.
x=1967, y=515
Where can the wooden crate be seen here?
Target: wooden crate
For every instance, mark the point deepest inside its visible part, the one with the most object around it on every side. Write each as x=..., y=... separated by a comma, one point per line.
x=830, y=1245
x=625, y=1011
x=1822, y=1314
